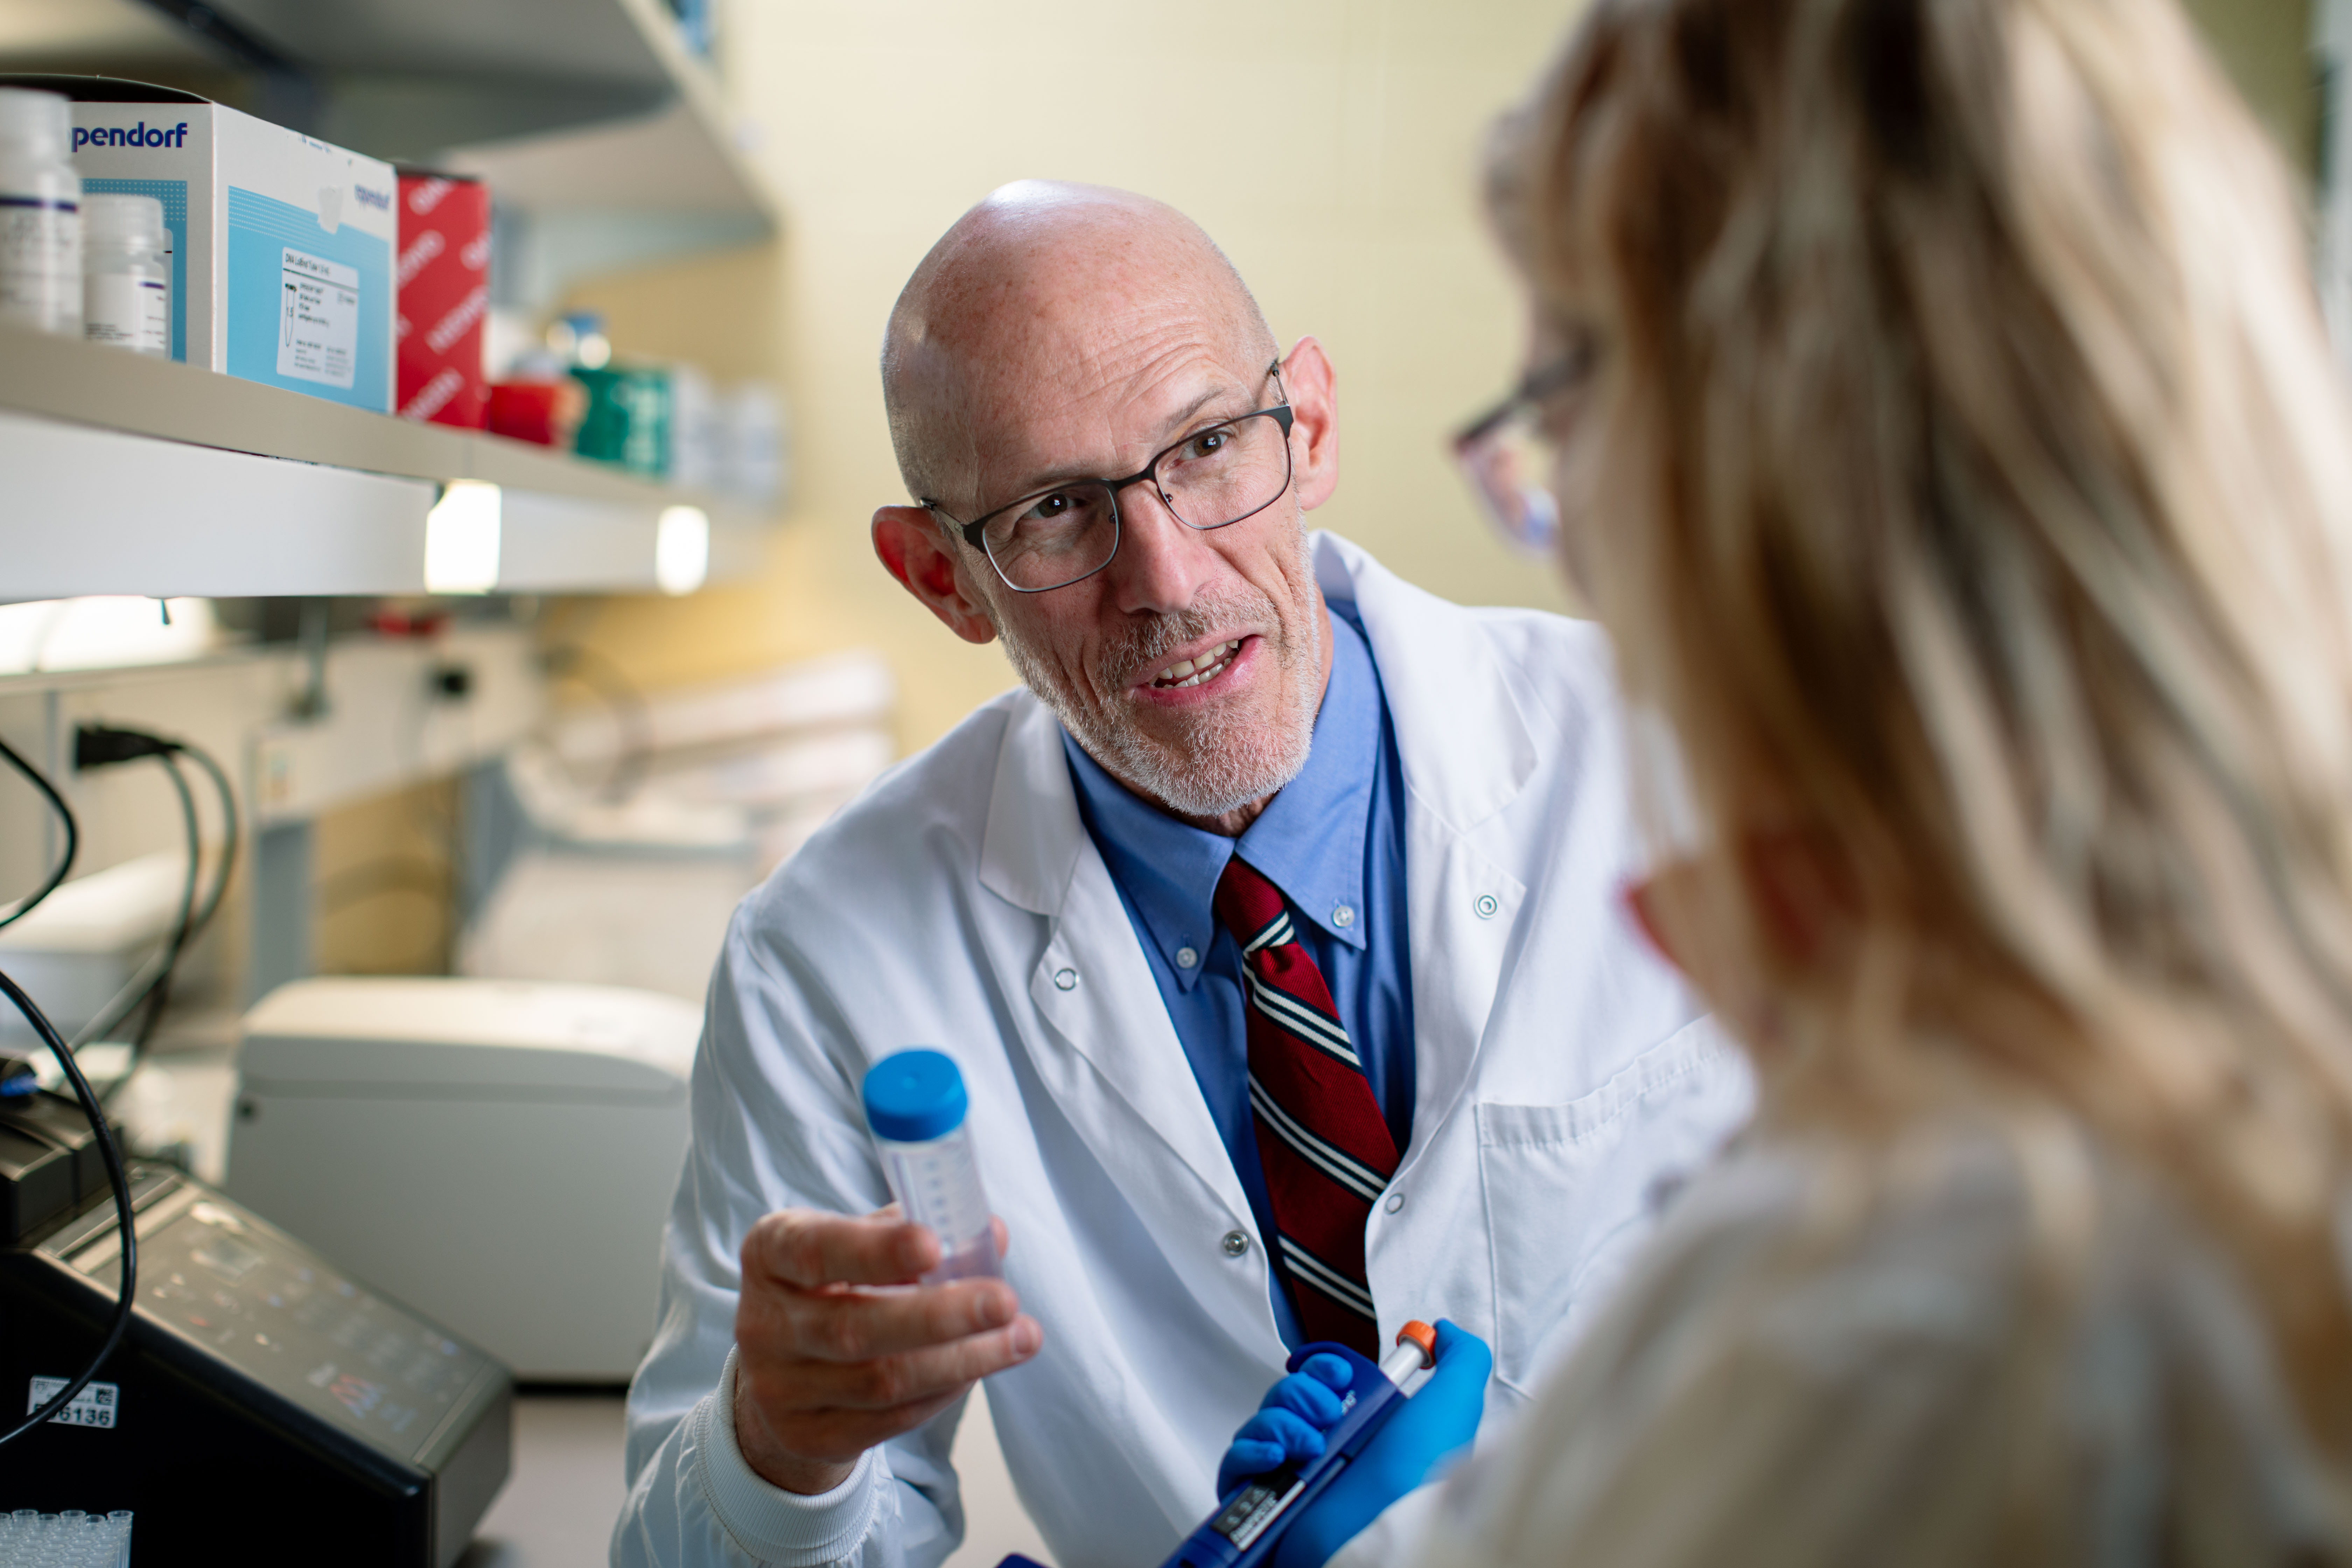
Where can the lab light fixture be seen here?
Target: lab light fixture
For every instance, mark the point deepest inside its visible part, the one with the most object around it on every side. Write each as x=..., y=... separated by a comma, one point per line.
x=682, y=548
x=461, y=539
x=110, y=630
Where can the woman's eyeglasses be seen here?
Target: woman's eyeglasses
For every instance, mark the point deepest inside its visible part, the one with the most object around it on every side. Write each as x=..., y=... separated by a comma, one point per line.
x=1506, y=454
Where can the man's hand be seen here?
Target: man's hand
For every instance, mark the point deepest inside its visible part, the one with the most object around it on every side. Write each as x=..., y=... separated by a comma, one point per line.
x=831, y=1361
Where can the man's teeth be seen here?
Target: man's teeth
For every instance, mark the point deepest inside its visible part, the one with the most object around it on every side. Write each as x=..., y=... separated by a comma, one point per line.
x=1198, y=669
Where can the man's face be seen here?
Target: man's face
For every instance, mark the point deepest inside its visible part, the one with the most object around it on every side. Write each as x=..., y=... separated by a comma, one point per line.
x=1192, y=665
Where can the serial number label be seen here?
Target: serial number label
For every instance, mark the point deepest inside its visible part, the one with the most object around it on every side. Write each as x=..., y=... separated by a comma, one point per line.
x=1255, y=1507
x=95, y=1406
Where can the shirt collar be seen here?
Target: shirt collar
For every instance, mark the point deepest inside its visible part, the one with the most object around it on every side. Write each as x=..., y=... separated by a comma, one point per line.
x=1308, y=842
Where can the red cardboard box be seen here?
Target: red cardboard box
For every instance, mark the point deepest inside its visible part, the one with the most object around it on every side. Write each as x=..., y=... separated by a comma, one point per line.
x=443, y=281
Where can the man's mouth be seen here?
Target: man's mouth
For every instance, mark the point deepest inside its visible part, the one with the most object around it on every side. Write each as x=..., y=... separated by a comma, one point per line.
x=1195, y=671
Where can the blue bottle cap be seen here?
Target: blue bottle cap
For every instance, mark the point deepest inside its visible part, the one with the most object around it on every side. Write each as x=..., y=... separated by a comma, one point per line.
x=914, y=1096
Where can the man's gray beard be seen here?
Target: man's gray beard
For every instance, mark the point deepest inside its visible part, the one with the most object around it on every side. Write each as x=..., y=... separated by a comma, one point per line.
x=1226, y=760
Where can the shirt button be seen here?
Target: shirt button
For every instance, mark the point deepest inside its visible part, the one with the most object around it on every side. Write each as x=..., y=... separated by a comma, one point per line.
x=1487, y=906
x=1068, y=979
x=1394, y=1202
x=1235, y=1243
x=1344, y=916
x=1186, y=958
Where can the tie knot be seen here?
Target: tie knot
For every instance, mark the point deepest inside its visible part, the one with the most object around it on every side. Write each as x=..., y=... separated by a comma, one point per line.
x=1248, y=905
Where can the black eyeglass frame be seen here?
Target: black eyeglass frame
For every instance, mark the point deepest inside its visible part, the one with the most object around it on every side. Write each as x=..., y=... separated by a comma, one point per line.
x=974, y=531
x=1545, y=381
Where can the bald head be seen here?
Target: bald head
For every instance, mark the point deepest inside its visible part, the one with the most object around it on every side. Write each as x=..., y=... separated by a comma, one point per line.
x=1043, y=294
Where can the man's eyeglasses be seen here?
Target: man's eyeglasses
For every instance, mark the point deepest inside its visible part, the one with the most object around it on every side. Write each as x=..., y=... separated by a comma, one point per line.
x=1214, y=478
x=1506, y=456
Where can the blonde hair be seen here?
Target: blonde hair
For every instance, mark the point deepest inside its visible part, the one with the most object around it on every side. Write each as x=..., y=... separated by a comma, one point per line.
x=1974, y=498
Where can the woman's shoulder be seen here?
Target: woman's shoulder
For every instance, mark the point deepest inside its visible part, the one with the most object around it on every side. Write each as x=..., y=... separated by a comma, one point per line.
x=1982, y=1340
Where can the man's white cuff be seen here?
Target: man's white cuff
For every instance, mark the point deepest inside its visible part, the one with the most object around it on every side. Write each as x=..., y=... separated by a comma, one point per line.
x=771, y=1524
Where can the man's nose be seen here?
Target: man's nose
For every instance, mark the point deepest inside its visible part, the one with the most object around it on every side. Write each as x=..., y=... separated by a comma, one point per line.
x=1161, y=566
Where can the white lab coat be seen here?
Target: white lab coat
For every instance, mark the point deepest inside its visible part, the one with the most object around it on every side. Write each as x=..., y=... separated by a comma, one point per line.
x=1564, y=1081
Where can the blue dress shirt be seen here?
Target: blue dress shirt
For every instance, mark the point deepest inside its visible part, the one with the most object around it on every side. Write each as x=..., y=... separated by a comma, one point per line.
x=1333, y=841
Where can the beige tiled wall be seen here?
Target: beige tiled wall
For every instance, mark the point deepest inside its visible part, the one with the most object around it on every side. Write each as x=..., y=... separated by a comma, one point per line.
x=1331, y=146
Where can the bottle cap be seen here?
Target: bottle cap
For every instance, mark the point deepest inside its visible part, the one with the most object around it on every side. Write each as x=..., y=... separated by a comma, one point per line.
x=914, y=1096
x=35, y=121
x=133, y=219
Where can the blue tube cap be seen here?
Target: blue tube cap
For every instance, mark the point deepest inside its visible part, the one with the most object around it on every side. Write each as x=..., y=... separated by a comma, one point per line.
x=914, y=1096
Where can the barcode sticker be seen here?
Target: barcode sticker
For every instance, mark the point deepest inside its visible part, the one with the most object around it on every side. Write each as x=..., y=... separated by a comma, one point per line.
x=94, y=1407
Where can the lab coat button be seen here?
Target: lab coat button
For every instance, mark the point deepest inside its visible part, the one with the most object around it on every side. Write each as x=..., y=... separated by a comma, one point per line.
x=1344, y=916
x=1235, y=1243
x=1487, y=906
x=1186, y=958
x=1395, y=1201
x=1066, y=979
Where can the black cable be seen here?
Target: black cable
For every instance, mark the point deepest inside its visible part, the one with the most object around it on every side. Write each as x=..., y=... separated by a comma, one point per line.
x=96, y=746
x=230, y=837
x=126, y=1219
x=73, y=834
x=160, y=991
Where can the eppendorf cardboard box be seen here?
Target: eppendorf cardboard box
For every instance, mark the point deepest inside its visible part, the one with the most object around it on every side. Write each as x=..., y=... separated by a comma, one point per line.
x=282, y=245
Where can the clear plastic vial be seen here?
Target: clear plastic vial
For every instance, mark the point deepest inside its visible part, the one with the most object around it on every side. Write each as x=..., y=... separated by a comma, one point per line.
x=126, y=260
x=40, y=214
x=915, y=1107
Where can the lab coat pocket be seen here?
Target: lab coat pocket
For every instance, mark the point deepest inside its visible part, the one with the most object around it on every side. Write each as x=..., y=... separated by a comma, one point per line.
x=1571, y=1190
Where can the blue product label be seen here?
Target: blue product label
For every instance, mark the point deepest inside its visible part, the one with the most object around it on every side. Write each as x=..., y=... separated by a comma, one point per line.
x=174, y=194
x=308, y=311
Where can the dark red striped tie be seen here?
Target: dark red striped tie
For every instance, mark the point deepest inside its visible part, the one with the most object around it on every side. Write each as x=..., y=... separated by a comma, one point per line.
x=1321, y=1140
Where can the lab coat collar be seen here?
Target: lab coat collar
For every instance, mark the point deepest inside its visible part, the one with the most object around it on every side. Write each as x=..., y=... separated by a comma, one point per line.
x=1465, y=747
x=1034, y=835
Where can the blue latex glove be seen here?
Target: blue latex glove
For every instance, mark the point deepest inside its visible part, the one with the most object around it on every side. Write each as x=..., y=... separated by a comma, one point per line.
x=1289, y=1424
x=1437, y=1423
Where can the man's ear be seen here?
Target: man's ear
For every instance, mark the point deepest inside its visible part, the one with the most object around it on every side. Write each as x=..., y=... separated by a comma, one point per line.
x=1314, y=390
x=912, y=549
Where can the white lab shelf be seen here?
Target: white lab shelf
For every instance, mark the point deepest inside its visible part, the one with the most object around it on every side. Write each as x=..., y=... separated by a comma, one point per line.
x=510, y=82
x=130, y=475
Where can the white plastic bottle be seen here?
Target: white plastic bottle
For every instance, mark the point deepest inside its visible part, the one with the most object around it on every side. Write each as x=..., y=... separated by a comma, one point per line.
x=915, y=1108
x=40, y=214
x=126, y=261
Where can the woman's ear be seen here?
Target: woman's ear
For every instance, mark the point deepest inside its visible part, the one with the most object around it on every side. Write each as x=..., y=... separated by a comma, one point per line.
x=1803, y=913
x=1805, y=903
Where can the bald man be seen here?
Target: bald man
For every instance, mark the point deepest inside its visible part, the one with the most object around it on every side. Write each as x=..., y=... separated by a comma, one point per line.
x=1275, y=923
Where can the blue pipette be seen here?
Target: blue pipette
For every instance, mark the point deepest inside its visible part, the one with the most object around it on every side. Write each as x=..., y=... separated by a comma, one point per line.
x=1249, y=1524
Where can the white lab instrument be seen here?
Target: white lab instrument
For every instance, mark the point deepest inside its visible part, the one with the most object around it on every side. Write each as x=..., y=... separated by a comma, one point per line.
x=497, y=1154
x=628, y=845
x=84, y=942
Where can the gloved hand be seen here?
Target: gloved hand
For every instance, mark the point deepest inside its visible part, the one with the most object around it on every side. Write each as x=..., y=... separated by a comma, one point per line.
x=1437, y=1423
x=1289, y=1424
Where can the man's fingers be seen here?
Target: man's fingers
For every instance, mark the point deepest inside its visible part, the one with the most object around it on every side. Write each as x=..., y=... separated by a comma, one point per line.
x=847, y=1326
x=810, y=1249
x=1304, y=1395
x=1297, y=1439
x=1254, y=1456
x=917, y=1377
